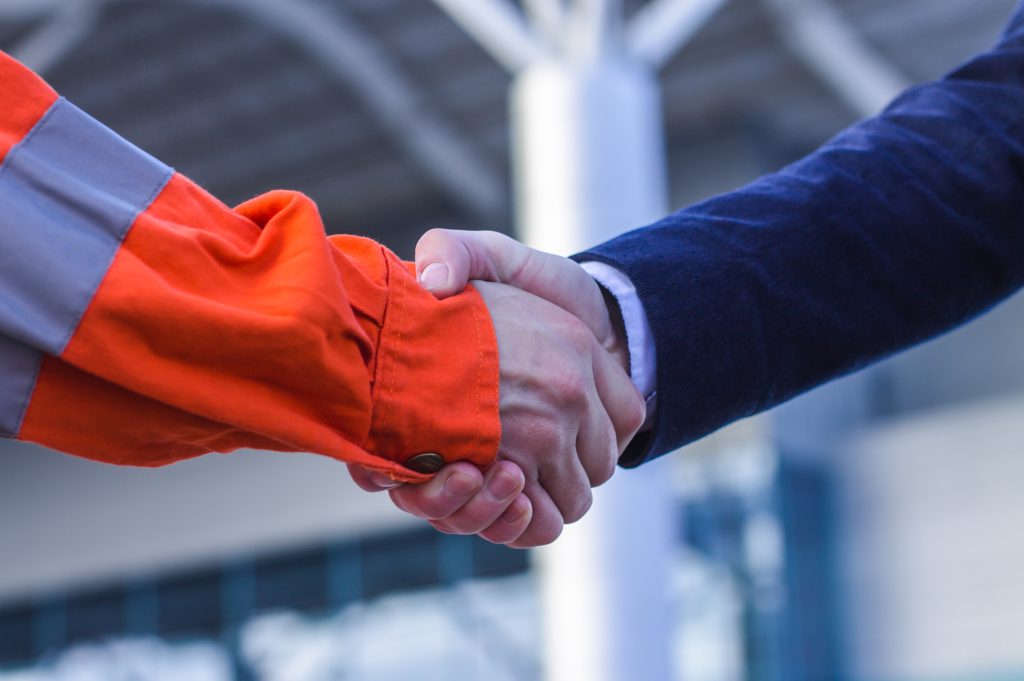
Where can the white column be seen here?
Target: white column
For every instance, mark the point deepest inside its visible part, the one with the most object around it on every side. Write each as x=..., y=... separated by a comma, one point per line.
x=589, y=154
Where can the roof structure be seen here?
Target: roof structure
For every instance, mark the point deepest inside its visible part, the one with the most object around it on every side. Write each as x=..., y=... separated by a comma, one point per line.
x=395, y=120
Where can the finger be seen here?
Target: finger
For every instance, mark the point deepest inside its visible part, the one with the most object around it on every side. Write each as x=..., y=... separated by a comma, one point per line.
x=507, y=528
x=502, y=484
x=545, y=524
x=622, y=402
x=369, y=481
x=562, y=476
x=446, y=260
x=597, y=444
x=461, y=255
x=441, y=496
x=512, y=523
x=575, y=507
x=440, y=526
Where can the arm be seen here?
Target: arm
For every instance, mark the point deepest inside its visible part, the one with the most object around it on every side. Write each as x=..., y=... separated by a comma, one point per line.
x=898, y=229
x=143, y=322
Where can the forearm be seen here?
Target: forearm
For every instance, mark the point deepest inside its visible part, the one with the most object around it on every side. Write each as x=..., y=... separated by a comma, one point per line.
x=144, y=322
x=898, y=229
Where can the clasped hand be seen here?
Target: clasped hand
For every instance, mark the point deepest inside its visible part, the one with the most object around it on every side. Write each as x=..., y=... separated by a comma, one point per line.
x=568, y=407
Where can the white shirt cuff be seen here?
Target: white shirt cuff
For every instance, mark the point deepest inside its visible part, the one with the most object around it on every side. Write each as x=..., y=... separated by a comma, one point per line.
x=643, y=365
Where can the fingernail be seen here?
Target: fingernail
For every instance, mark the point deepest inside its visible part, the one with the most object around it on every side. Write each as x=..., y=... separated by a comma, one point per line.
x=459, y=485
x=384, y=481
x=434, y=275
x=503, y=485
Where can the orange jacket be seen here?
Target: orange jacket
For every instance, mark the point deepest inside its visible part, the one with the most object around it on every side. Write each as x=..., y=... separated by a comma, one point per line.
x=143, y=322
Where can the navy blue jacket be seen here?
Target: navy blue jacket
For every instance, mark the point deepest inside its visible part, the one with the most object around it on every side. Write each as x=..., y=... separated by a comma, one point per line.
x=901, y=227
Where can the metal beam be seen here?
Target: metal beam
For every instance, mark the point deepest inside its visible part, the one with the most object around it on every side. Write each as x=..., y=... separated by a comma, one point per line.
x=819, y=35
x=499, y=28
x=20, y=10
x=594, y=29
x=347, y=52
x=353, y=57
x=662, y=27
x=548, y=18
x=67, y=26
x=589, y=159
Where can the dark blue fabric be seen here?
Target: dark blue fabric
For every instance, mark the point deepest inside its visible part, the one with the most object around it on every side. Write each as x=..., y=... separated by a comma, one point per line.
x=68, y=194
x=899, y=228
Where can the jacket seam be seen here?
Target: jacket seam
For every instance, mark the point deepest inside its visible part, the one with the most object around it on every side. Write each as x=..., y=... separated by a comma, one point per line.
x=477, y=435
x=395, y=351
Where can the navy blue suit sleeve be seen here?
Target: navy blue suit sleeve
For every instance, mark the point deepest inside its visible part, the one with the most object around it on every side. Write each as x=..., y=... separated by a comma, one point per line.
x=899, y=228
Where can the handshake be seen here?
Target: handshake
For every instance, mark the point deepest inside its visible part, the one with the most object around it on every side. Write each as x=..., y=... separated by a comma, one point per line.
x=172, y=326
x=568, y=407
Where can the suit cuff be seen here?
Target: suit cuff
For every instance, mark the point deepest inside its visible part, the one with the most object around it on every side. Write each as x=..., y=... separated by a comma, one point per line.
x=643, y=361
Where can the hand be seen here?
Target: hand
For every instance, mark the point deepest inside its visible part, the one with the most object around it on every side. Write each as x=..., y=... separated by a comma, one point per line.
x=462, y=500
x=564, y=402
x=459, y=500
x=446, y=260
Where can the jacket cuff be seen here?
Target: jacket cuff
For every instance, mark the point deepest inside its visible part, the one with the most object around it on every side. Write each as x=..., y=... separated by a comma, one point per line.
x=435, y=378
x=24, y=98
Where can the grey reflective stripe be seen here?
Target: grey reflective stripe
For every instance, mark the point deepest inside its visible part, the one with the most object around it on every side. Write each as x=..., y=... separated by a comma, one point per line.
x=69, y=192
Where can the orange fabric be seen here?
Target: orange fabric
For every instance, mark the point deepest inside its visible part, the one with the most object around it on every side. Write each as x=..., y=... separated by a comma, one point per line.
x=24, y=98
x=216, y=329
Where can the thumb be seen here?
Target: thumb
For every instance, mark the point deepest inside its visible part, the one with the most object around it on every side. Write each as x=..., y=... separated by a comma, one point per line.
x=446, y=260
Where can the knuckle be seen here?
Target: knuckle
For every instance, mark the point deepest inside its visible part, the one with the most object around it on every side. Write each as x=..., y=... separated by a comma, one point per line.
x=637, y=414
x=492, y=237
x=600, y=457
x=603, y=472
x=579, y=506
x=496, y=242
x=567, y=384
x=577, y=335
x=434, y=508
x=548, y=438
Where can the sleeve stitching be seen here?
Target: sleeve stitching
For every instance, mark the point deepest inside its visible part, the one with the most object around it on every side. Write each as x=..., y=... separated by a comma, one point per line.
x=479, y=376
x=400, y=323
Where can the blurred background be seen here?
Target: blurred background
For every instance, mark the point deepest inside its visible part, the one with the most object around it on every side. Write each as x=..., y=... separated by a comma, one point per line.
x=872, y=530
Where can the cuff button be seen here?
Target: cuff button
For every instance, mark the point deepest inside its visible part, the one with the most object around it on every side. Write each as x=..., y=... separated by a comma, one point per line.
x=428, y=462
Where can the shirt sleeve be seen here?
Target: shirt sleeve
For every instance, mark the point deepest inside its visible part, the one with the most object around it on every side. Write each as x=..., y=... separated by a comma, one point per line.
x=643, y=359
x=143, y=322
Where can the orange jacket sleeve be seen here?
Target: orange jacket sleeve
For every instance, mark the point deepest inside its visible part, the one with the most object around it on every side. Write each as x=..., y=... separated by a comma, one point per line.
x=143, y=322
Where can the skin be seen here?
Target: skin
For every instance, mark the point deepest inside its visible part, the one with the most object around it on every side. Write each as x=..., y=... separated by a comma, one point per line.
x=568, y=408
